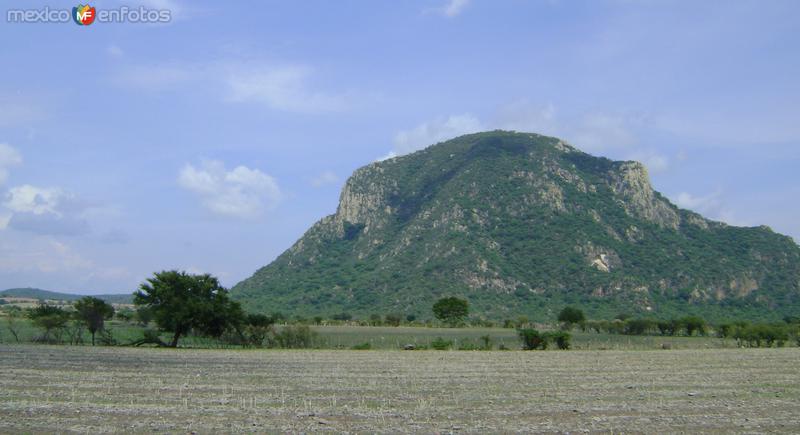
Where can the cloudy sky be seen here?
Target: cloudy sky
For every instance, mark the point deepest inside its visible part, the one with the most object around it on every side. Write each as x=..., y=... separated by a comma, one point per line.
x=213, y=142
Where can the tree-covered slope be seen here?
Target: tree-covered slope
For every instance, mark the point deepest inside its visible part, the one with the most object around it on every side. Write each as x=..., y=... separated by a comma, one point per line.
x=521, y=224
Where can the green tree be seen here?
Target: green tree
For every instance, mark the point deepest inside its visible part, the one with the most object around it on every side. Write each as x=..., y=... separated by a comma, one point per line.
x=93, y=313
x=50, y=318
x=181, y=302
x=571, y=316
x=533, y=339
x=694, y=323
x=451, y=310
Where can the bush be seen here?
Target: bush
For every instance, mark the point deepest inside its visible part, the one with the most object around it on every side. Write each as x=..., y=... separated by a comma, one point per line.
x=571, y=316
x=532, y=339
x=561, y=338
x=694, y=323
x=441, y=344
x=362, y=346
x=295, y=337
x=343, y=317
x=451, y=310
x=468, y=346
x=637, y=326
x=393, y=319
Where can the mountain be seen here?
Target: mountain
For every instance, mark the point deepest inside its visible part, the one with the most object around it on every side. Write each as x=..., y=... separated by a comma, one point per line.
x=35, y=293
x=523, y=224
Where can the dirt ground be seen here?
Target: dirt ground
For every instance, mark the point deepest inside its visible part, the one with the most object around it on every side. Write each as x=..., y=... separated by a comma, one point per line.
x=82, y=389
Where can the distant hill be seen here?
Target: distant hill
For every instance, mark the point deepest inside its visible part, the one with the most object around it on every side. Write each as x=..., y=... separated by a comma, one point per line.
x=35, y=293
x=523, y=224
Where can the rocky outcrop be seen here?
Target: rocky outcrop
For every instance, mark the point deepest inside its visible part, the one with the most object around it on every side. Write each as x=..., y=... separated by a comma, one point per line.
x=629, y=180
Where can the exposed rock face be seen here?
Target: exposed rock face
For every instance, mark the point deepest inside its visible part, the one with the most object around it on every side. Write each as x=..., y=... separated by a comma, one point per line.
x=519, y=224
x=630, y=181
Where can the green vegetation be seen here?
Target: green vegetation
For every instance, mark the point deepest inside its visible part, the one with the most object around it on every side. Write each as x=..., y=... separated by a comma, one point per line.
x=523, y=225
x=571, y=316
x=181, y=302
x=451, y=310
x=93, y=313
x=35, y=293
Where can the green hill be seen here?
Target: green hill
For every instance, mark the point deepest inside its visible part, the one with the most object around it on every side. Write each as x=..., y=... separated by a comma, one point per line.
x=35, y=293
x=522, y=224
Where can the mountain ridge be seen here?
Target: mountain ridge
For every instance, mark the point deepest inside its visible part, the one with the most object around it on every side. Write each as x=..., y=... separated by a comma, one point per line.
x=521, y=224
x=36, y=293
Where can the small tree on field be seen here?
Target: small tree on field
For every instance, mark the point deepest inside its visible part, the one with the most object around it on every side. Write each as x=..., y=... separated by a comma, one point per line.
x=50, y=318
x=180, y=302
x=451, y=310
x=393, y=319
x=561, y=338
x=694, y=323
x=532, y=339
x=93, y=313
x=571, y=316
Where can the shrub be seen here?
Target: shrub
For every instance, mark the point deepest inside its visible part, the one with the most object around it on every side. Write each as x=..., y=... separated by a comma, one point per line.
x=486, y=342
x=363, y=346
x=393, y=319
x=51, y=319
x=468, y=346
x=451, y=310
x=571, y=316
x=694, y=323
x=441, y=344
x=637, y=326
x=295, y=337
x=561, y=338
x=532, y=339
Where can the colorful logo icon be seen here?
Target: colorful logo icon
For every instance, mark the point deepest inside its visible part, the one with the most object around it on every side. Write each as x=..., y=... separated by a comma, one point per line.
x=83, y=15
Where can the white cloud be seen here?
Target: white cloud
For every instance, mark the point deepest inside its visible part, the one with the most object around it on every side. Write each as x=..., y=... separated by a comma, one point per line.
x=325, y=178
x=287, y=87
x=36, y=200
x=241, y=192
x=8, y=157
x=454, y=7
x=429, y=133
x=523, y=116
x=42, y=255
x=45, y=210
x=654, y=161
x=114, y=51
x=282, y=88
x=711, y=206
x=601, y=131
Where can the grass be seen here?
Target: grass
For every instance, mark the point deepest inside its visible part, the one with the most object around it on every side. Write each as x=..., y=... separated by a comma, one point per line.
x=384, y=337
x=80, y=389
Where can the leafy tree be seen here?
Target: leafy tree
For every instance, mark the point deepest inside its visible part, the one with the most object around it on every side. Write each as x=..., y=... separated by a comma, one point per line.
x=12, y=324
x=393, y=319
x=181, y=302
x=561, y=338
x=93, y=313
x=571, y=316
x=50, y=318
x=694, y=323
x=144, y=316
x=532, y=339
x=257, y=328
x=451, y=310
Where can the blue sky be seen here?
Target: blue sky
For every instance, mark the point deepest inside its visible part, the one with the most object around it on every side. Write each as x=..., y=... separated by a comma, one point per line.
x=211, y=143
